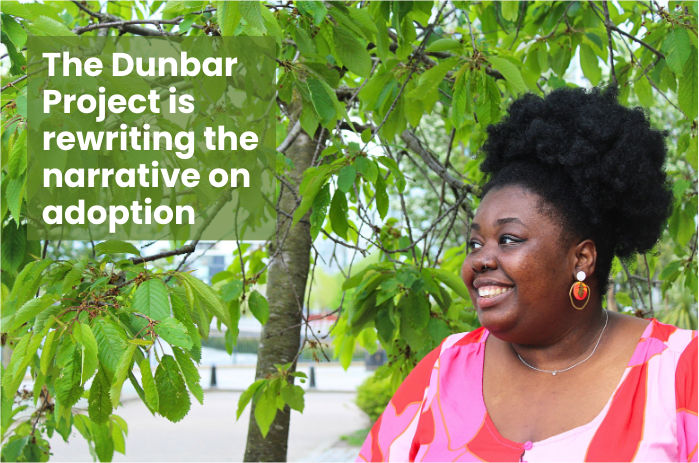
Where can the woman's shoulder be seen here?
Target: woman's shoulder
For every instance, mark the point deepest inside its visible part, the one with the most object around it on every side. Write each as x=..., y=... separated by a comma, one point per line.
x=465, y=339
x=676, y=340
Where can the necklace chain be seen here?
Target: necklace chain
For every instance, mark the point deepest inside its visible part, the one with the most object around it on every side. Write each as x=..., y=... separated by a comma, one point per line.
x=554, y=372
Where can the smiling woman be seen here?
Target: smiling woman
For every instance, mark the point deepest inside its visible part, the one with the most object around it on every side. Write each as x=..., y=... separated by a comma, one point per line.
x=574, y=179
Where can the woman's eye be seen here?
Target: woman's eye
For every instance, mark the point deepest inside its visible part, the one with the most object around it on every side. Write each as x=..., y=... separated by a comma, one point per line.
x=507, y=239
x=474, y=245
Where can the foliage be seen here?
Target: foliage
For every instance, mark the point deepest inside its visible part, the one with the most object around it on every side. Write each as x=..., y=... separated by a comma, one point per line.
x=396, y=97
x=373, y=396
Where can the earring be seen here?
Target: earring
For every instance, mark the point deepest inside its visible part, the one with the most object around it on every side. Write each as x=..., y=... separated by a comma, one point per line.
x=579, y=291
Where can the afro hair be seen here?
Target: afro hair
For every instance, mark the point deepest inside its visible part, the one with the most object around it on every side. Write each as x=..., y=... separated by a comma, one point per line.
x=597, y=165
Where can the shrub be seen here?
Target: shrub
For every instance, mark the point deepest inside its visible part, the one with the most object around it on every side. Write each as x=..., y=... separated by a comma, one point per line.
x=373, y=396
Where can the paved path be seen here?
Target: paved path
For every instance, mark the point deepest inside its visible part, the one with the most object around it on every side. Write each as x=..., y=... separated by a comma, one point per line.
x=210, y=432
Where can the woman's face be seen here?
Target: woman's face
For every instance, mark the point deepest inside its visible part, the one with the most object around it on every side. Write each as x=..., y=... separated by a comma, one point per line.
x=519, y=269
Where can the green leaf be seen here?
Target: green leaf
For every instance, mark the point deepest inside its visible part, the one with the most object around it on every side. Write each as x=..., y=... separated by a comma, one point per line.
x=265, y=410
x=149, y=389
x=174, y=332
x=319, y=210
x=624, y=299
x=678, y=50
x=67, y=385
x=430, y=79
x=203, y=294
x=18, y=157
x=190, y=374
x=691, y=155
x=589, y=62
x=382, y=39
x=48, y=352
x=122, y=371
x=17, y=59
x=670, y=268
x=452, y=280
x=381, y=197
x=338, y=214
x=45, y=26
x=174, y=399
x=111, y=343
x=259, y=307
x=232, y=290
x=444, y=45
x=438, y=330
x=313, y=180
x=229, y=17
x=687, y=91
x=293, y=395
x=14, y=31
x=252, y=14
x=367, y=168
x=369, y=94
x=116, y=247
x=510, y=10
x=346, y=178
x=104, y=445
x=322, y=101
x=30, y=309
x=151, y=299
x=14, y=241
x=314, y=9
x=346, y=351
x=352, y=53
x=644, y=92
x=74, y=276
x=29, y=279
x=99, y=405
x=417, y=308
x=247, y=395
x=118, y=438
x=510, y=71
x=12, y=450
x=89, y=352
x=395, y=170
x=9, y=385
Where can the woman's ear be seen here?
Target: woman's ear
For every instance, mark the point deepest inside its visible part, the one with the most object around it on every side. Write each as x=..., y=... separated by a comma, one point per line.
x=586, y=257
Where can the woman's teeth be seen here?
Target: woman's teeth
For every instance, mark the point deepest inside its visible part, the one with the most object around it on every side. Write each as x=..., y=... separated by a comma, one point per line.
x=492, y=291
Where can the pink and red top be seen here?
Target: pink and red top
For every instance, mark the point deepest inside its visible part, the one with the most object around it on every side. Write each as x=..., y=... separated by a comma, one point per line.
x=438, y=413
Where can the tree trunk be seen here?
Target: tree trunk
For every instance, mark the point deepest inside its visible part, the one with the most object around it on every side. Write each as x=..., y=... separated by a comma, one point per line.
x=286, y=287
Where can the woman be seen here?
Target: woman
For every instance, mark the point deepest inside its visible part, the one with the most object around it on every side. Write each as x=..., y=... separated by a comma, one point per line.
x=574, y=179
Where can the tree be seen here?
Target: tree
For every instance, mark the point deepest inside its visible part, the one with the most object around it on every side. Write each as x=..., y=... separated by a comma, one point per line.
x=380, y=103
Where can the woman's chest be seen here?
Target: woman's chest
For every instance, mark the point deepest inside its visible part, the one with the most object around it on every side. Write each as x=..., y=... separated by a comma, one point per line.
x=533, y=406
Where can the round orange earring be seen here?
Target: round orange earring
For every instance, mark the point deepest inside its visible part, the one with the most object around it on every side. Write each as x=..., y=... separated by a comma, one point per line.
x=579, y=291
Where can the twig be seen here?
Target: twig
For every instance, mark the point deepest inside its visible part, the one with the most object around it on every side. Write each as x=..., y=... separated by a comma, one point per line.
x=607, y=24
x=12, y=84
x=415, y=145
x=291, y=136
x=413, y=58
x=191, y=247
x=633, y=286
x=650, y=285
x=522, y=12
x=551, y=34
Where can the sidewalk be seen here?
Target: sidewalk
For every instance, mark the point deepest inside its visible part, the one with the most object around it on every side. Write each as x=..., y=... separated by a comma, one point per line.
x=210, y=432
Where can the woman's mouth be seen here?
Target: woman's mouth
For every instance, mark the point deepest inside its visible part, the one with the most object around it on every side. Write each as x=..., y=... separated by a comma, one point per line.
x=488, y=296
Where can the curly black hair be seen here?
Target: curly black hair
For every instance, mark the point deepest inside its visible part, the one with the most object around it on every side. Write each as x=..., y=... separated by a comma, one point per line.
x=597, y=165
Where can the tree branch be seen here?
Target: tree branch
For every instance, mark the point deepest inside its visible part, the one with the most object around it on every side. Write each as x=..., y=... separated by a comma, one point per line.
x=415, y=145
x=607, y=23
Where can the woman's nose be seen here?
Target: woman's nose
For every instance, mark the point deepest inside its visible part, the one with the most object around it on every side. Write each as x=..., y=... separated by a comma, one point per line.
x=483, y=261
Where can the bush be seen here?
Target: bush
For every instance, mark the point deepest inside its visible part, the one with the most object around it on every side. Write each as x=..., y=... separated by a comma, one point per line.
x=373, y=396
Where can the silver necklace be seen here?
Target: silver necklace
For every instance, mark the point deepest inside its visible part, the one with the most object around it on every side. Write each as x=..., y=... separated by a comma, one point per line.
x=555, y=372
